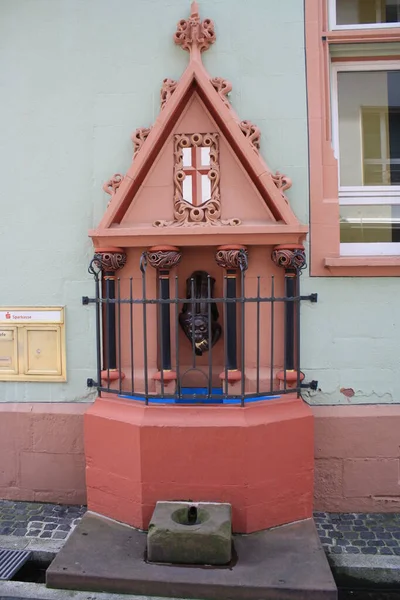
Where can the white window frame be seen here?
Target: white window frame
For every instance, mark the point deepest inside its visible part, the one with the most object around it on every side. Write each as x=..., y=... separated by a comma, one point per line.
x=362, y=195
x=334, y=27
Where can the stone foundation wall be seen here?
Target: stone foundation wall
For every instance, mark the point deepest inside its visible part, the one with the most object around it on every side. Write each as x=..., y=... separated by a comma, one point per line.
x=357, y=454
x=41, y=452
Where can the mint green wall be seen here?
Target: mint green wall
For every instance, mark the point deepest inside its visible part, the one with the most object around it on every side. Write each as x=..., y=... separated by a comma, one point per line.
x=76, y=78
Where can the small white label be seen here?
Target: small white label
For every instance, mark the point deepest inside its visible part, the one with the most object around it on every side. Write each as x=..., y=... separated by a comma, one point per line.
x=6, y=335
x=31, y=316
x=5, y=361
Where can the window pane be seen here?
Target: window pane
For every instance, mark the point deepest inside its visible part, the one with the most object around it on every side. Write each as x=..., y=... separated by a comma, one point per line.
x=366, y=224
x=369, y=128
x=357, y=12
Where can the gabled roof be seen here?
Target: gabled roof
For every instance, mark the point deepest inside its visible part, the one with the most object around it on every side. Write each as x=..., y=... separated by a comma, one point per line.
x=242, y=136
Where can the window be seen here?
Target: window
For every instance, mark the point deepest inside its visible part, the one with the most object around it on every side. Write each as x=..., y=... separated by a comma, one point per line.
x=366, y=139
x=345, y=14
x=353, y=87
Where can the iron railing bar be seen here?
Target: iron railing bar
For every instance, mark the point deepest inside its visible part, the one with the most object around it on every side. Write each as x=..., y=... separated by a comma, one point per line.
x=178, y=380
x=99, y=337
x=161, y=336
x=242, y=349
x=108, y=329
x=119, y=335
x=146, y=380
x=209, y=338
x=258, y=335
x=271, y=383
x=193, y=317
x=131, y=338
x=225, y=291
x=285, y=307
x=297, y=359
x=209, y=300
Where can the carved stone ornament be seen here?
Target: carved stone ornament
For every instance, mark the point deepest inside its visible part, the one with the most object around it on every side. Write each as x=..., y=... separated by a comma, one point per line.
x=194, y=318
x=113, y=184
x=192, y=33
x=282, y=182
x=223, y=87
x=252, y=133
x=167, y=89
x=229, y=258
x=291, y=258
x=107, y=260
x=163, y=259
x=138, y=138
x=209, y=212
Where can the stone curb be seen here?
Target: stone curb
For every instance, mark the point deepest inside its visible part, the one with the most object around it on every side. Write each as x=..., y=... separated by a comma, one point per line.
x=359, y=570
x=35, y=591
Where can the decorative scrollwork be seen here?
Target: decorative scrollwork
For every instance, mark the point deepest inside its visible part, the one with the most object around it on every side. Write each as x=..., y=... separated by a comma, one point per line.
x=208, y=213
x=290, y=258
x=223, y=87
x=138, y=138
x=109, y=260
x=163, y=259
x=252, y=133
x=113, y=184
x=192, y=33
x=167, y=89
x=282, y=182
x=232, y=258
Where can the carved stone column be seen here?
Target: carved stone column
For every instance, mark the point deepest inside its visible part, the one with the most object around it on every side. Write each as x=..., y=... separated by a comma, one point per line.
x=109, y=261
x=232, y=258
x=292, y=258
x=164, y=258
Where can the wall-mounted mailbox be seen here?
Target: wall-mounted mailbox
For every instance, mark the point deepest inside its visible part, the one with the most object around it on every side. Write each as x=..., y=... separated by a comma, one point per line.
x=32, y=344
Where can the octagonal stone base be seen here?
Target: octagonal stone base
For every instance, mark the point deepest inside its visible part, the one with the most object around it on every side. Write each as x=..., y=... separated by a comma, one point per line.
x=259, y=459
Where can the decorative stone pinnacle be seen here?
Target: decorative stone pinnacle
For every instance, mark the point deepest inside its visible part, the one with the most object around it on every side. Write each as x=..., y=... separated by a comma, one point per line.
x=232, y=257
x=164, y=257
x=194, y=35
x=109, y=259
x=291, y=257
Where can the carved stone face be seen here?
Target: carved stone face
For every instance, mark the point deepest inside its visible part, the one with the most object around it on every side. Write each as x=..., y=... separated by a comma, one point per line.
x=196, y=328
x=194, y=317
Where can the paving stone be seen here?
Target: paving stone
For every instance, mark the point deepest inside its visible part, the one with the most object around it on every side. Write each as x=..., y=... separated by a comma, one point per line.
x=369, y=550
x=385, y=551
x=59, y=535
x=375, y=543
x=20, y=531
x=396, y=550
x=367, y=535
x=50, y=526
x=360, y=528
x=33, y=532
x=337, y=550
x=391, y=542
x=45, y=534
x=6, y=531
x=359, y=543
x=352, y=550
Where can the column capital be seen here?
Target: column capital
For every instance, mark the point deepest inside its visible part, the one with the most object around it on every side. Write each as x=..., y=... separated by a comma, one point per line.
x=232, y=256
x=109, y=259
x=164, y=257
x=291, y=257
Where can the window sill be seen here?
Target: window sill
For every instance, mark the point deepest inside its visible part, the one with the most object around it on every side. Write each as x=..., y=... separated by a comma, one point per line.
x=351, y=36
x=363, y=266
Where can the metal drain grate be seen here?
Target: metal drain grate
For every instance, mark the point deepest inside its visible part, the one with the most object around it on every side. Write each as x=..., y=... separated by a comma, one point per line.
x=11, y=561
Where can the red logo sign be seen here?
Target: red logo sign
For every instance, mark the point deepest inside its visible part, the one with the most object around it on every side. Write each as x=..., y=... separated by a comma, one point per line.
x=8, y=316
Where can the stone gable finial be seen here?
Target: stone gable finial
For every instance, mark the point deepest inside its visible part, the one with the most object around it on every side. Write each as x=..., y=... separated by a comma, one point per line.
x=194, y=35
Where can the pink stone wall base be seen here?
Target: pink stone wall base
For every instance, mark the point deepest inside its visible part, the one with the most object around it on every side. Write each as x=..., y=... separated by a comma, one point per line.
x=41, y=452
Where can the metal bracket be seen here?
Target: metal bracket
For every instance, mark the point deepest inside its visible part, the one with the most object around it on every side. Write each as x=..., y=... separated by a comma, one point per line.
x=310, y=298
x=86, y=300
x=91, y=383
x=313, y=385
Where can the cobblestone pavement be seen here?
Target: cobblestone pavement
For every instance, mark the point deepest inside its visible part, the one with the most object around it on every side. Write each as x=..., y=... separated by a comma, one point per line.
x=340, y=533
x=35, y=520
x=359, y=533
